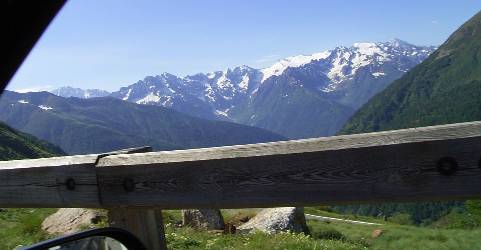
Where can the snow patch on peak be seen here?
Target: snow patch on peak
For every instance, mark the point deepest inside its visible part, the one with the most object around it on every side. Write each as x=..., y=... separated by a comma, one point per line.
x=244, y=68
x=126, y=97
x=293, y=61
x=210, y=94
x=222, y=113
x=150, y=98
x=167, y=101
x=223, y=82
x=369, y=49
x=378, y=74
x=336, y=73
x=244, y=84
x=45, y=107
x=211, y=75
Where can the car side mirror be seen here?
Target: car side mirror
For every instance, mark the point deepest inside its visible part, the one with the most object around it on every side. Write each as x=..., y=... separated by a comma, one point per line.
x=108, y=238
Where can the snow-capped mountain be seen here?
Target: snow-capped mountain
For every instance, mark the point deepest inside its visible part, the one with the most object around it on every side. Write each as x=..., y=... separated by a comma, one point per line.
x=342, y=63
x=299, y=96
x=205, y=95
x=79, y=93
x=336, y=81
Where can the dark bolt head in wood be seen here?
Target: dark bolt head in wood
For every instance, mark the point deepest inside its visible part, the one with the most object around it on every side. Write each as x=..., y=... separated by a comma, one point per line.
x=70, y=183
x=129, y=184
x=447, y=166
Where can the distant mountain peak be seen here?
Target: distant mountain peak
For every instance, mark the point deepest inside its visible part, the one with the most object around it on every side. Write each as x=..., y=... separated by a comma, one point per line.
x=340, y=57
x=167, y=75
x=293, y=61
x=67, y=91
x=396, y=42
x=244, y=67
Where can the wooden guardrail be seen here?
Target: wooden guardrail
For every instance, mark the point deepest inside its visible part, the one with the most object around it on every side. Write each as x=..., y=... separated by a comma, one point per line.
x=429, y=163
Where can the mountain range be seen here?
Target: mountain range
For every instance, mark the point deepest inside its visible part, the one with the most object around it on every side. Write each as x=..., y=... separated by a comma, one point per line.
x=95, y=125
x=297, y=97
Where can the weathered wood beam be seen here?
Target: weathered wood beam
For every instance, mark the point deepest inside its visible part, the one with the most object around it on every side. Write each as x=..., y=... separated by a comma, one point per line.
x=429, y=163
x=376, y=167
x=69, y=181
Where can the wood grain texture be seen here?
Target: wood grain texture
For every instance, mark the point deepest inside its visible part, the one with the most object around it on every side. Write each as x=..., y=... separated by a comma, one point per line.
x=387, y=166
x=42, y=182
x=376, y=167
x=432, y=133
x=146, y=224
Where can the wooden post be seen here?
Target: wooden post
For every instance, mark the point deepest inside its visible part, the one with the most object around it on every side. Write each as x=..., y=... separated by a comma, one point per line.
x=145, y=223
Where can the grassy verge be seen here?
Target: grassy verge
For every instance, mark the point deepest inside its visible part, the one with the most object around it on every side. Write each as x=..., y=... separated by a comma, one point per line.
x=21, y=226
x=186, y=238
x=402, y=237
x=325, y=235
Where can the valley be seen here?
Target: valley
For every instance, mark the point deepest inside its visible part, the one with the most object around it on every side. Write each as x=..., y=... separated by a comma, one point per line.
x=362, y=88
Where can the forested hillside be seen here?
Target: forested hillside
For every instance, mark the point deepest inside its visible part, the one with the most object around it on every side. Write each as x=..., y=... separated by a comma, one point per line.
x=16, y=145
x=445, y=88
x=82, y=126
x=22, y=225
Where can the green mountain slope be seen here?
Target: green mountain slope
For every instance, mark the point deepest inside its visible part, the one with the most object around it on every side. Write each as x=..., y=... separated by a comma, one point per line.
x=81, y=126
x=445, y=88
x=15, y=145
x=21, y=226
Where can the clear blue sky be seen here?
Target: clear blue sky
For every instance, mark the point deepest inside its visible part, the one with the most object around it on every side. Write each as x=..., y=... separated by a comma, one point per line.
x=110, y=43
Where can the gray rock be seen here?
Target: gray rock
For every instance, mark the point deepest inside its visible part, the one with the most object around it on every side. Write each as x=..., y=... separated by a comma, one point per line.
x=274, y=220
x=70, y=220
x=210, y=219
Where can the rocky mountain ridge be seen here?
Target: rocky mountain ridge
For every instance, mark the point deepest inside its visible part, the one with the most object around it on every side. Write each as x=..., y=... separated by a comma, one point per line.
x=298, y=97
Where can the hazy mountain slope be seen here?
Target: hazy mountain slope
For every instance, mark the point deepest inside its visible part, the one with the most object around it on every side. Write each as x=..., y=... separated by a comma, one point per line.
x=16, y=145
x=445, y=88
x=104, y=124
x=284, y=106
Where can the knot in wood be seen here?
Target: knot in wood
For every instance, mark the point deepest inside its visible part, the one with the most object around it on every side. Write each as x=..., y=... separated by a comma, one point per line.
x=129, y=185
x=447, y=166
x=70, y=184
